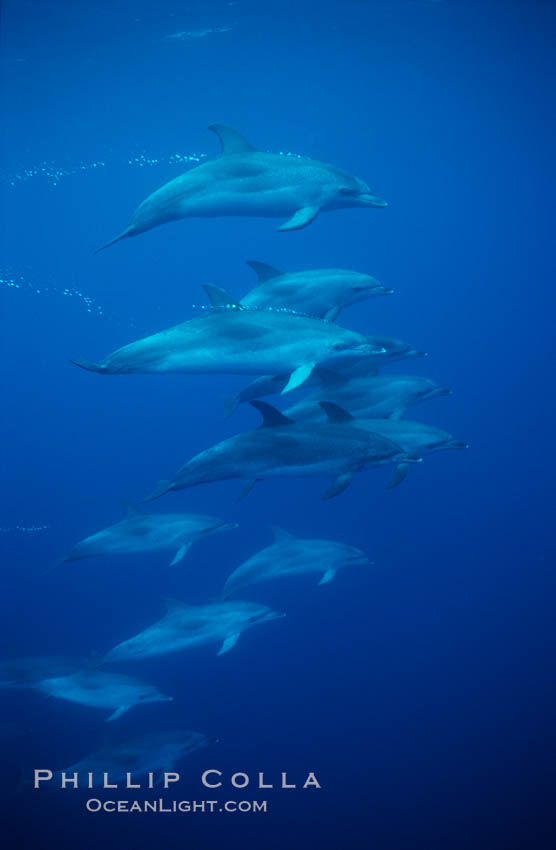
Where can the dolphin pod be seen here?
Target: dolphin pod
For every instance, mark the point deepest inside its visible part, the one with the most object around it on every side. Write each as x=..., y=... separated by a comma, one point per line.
x=243, y=181
x=284, y=333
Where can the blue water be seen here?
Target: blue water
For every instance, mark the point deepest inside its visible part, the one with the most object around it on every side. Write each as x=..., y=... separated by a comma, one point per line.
x=421, y=690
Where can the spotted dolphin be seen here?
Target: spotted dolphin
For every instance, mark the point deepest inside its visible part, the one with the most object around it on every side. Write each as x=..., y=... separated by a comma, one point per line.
x=140, y=532
x=102, y=690
x=283, y=448
x=372, y=397
x=317, y=292
x=413, y=437
x=153, y=751
x=293, y=556
x=187, y=626
x=230, y=339
x=243, y=181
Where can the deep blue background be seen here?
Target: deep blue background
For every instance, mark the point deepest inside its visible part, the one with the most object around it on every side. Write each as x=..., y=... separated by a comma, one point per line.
x=421, y=690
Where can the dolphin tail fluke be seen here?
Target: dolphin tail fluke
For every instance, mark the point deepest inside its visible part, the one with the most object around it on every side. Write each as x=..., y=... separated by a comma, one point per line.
x=127, y=232
x=88, y=365
x=161, y=488
x=231, y=404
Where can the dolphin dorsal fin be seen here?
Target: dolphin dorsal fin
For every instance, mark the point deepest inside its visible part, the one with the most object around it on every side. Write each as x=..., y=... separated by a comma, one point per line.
x=231, y=140
x=271, y=416
x=131, y=509
x=174, y=604
x=263, y=271
x=281, y=536
x=219, y=297
x=336, y=413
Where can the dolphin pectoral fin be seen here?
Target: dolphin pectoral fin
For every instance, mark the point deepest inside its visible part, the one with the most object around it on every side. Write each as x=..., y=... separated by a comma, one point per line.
x=118, y=713
x=332, y=314
x=300, y=219
x=263, y=271
x=328, y=576
x=298, y=377
x=399, y=475
x=228, y=644
x=246, y=489
x=219, y=297
x=338, y=485
x=180, y=554
x=231, y=140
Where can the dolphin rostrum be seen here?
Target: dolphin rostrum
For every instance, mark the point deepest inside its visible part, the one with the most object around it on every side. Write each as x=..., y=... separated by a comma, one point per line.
x=234, y=340
x=186, y=626
x=293, y=556
x=245, y=182
x=141, y=532
x=102, y=690
x=281, y=447
x=317, y=292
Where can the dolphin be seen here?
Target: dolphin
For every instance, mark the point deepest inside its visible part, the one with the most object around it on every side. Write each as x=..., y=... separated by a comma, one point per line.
x=386, y=350
x=245, y=182
x=102, y=690
x=26, y=671
x=281, y=447
x=155, y=751
x=141, y=532
x=292, y=556
x=413, y=437
x=373, y=397
x=186, y=626
x=234, y=340
x=318, y=292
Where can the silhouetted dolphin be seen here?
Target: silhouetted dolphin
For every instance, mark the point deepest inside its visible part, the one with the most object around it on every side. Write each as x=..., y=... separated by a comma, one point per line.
x=317, y=292
x=233, y=340
x=372, y=397
x=387, y=350
x=292, y=556
x=281, y=447
x=142, y=532
x=102, y=690
x=244, y=181
x=155, y=751
x=187, y=626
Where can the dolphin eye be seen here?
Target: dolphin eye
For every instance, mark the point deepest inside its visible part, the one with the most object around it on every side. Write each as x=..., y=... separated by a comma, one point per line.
x=346, y=191
x=341, y=346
